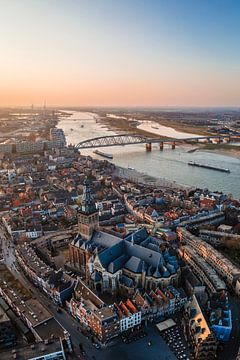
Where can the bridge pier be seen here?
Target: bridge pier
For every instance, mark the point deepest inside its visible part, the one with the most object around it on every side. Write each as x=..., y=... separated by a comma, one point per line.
x=149, y=147
x=161, y=145
x=219, y=140
x=173, y=145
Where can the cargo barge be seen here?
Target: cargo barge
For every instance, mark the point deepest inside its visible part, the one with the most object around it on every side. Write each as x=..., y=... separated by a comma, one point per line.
x=100, y=153
x=193, y=163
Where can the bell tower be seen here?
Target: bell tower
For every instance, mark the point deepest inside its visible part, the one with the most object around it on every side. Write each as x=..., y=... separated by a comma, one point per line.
x=88, y=219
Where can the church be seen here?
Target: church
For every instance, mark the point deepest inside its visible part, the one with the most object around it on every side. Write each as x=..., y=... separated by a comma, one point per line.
x=111, y=264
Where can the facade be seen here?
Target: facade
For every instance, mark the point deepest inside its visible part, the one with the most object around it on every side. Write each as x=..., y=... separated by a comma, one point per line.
x=57, y=140
x=158, y=304
x=199, y=335
x=203, y=270
x=92, y=313
x=217, y=238
x=109, y=321
x=88, y=221
x=34, y=232
x=29, y=147
x=129, y=315
x=214, y=217
x=37, y=318
x=57, y=137
x=56, y=284
x=224, y=268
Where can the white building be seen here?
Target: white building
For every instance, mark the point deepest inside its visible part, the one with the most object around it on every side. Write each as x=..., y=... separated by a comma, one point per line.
x=130, y=321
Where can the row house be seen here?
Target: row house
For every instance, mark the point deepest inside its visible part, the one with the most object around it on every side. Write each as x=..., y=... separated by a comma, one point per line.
x=92, y=313
x=158, y=304
x=57, y=285
x=37, y=318
x=129, y=315
x=225, y=269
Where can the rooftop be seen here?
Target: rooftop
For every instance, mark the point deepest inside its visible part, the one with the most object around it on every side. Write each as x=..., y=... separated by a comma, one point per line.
x=197, y=321
x=29, y=352
x=105, y=313
x=33, y=261
x=164, y=325
x=30, y=307
x=50, y=329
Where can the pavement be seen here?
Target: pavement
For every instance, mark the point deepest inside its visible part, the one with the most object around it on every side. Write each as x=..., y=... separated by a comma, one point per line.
x=139, y=349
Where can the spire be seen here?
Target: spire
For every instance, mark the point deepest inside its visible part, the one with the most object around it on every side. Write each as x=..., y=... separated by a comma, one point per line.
x=88, y=206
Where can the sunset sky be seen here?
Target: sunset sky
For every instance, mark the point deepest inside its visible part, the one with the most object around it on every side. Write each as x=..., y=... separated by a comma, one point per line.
x=120, y=52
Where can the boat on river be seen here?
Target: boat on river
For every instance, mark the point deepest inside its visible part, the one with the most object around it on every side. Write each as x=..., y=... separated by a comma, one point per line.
x=100, y=153
x=210, y=167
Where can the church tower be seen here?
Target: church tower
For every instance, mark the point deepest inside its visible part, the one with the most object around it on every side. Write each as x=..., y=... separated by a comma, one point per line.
x=88, y=219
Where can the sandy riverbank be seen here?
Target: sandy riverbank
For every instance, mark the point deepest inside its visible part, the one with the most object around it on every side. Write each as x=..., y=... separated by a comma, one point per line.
x=126, y=126
x=221, y=149
x=143, y=178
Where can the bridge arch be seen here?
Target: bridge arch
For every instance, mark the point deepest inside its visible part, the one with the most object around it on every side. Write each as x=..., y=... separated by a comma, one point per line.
x=112, y=140
x=131, y=139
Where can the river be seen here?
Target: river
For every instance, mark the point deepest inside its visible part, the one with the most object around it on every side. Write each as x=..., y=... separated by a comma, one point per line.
x=168, y=164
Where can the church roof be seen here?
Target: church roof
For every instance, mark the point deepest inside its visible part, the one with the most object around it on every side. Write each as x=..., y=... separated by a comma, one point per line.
x=112, y=253
x=134, y=264
x=117, y=264
x=136, y=258
x=104, y=239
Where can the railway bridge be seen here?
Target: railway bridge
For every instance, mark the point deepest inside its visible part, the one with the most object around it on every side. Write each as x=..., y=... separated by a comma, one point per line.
x=131, y=139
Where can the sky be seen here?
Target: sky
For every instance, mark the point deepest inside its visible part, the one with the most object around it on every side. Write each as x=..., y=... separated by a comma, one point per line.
x=120, y=52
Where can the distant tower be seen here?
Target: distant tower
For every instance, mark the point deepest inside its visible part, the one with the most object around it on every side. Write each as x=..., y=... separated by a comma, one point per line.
x=88, y=218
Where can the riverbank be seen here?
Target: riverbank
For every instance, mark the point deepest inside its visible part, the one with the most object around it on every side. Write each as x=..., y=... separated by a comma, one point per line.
x=143, y=178
x=156, y=128
x=139, y=124
x=220, y=149
x=126, y=126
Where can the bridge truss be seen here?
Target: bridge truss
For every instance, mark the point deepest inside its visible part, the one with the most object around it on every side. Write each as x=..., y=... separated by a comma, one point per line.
x=128, y=139
x=112, y=140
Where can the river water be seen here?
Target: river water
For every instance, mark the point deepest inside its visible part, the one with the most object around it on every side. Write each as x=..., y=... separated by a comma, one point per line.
x=168, y=164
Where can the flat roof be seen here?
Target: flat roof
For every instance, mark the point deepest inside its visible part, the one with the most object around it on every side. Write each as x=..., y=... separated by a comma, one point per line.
x=29, y=352
x=164, y=325
x=104, y=313
x=50, y=329
x=29, y=306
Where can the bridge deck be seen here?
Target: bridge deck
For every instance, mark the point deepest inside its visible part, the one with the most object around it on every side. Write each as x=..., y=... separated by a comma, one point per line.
x=126, y=139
